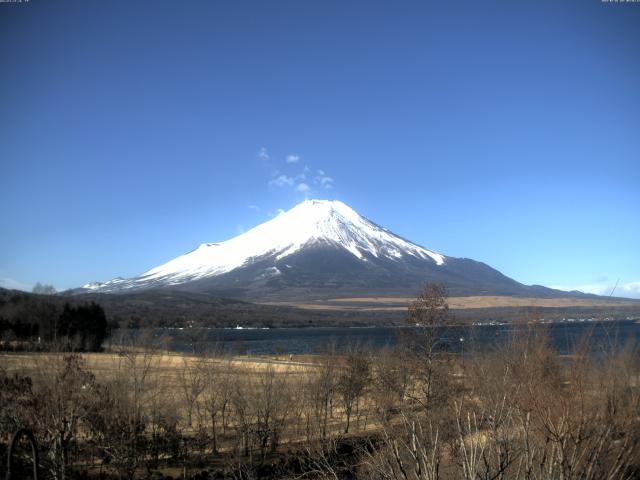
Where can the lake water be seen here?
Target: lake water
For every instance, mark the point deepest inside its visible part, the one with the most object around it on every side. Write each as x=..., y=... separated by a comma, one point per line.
x=564, y=335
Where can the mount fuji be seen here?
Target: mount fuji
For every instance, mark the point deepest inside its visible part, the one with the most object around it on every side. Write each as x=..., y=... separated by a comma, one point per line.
x=319, y=249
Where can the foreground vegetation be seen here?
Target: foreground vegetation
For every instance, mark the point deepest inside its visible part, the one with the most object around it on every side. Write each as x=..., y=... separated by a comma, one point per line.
x=520, y=411
x=414, y=412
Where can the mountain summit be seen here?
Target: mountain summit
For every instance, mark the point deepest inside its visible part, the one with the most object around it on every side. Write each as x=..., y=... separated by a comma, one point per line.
x=318, y=248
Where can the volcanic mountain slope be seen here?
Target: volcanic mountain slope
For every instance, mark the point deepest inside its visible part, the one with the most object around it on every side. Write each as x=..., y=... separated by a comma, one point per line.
x=319, y=249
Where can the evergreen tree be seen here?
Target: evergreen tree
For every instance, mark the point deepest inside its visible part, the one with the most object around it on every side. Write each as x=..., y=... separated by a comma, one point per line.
x=85, y=326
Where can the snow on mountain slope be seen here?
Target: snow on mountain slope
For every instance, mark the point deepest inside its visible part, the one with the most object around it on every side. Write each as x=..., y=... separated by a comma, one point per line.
x=308, y=223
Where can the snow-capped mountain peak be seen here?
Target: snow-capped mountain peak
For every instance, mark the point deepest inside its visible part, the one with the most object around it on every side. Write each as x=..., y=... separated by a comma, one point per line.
x=312, y=222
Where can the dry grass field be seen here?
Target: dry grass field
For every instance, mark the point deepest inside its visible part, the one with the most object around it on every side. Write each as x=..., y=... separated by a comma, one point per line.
x=373, y=304
x=169, y=366
x=330, y=416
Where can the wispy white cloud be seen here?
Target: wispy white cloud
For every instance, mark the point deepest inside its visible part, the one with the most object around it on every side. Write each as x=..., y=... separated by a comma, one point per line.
x=263, y=154
x=629, y=290
x=13, y=284
x=255, y=208
x=303, y=188
x=297, y=175
x=324, y=180
x=282, y=181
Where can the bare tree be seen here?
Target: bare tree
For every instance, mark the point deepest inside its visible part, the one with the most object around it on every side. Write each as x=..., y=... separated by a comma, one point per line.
x=241, y=401
x=322, y=387
x=43, y=289
x=163, y=420
x=272, y=405
x=352, y=380
x=216, y=395
x=410, y=450
x=430, y=314
x=65, y=391
x=536, y=418
x=119, y=417
x=192, y=384
x=390, y=380
x=18, y=408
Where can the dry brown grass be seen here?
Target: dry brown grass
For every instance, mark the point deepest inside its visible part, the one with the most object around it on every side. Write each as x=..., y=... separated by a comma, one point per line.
x=167, y=365
x=372, y=304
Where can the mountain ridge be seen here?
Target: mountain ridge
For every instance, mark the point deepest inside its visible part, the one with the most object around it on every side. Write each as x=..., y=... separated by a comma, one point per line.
x=320, y=249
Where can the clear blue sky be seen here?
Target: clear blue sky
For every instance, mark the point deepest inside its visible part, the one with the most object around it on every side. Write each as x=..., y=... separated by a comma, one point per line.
x=507, y=132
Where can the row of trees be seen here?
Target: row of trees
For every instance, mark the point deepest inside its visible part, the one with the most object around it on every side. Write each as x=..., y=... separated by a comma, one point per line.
x=38, y=322
x=44, y=289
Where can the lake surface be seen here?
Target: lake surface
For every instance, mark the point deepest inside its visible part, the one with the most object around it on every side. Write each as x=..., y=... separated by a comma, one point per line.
x=564, y=335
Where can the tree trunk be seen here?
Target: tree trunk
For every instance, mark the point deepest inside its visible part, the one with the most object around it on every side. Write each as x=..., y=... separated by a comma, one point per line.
x=214, y=435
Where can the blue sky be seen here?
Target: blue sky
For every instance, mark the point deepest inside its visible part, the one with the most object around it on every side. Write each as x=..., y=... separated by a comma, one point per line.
x=507, y=132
